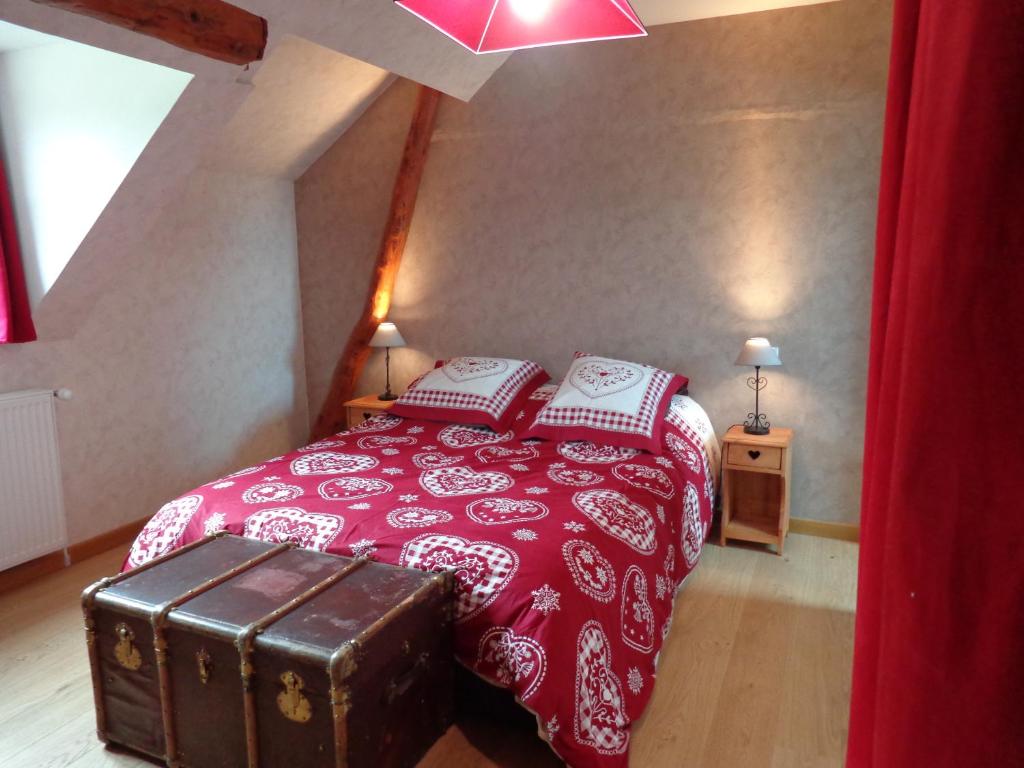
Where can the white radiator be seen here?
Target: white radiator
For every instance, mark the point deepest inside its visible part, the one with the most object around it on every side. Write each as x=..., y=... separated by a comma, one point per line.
x=31, y=498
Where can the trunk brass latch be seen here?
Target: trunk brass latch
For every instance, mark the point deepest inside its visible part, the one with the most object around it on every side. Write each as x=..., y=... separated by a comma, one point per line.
x=125, y=652
x=291, y=702
x=203, y=661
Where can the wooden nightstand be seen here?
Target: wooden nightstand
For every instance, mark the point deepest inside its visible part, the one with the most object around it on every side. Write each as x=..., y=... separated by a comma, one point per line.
x=362, y=408
x=755, y=486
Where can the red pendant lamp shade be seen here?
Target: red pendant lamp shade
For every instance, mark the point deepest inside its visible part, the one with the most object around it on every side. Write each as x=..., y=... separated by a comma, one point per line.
x=489, y=26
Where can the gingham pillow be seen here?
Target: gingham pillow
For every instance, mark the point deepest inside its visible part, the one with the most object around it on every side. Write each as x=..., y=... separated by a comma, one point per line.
x=472, y=390
x=610, y=402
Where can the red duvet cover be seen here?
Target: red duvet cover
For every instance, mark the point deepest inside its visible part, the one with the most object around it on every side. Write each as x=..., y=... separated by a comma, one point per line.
x=567, y=556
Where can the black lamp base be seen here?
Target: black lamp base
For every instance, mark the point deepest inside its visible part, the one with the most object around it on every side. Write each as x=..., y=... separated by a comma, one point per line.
x=387, y=396
x=756, y=424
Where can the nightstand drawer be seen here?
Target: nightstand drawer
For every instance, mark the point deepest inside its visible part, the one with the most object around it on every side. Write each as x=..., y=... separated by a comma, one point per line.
x=362, y=408
x=752, y=456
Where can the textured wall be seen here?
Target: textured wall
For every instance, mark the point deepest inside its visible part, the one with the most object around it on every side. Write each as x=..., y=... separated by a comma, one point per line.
x=377, y=33
x=191, y=362
x=658, y=200
x=177, y=322
x=341, y=204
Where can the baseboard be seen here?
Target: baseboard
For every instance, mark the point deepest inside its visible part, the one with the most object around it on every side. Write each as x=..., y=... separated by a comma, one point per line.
x=841, y=531
x=22, y=574
x=30, y=571
x=97, y=545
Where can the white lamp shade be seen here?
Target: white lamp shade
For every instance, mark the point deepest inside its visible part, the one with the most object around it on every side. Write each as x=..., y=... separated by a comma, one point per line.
x=387, y=335
x=758, y=351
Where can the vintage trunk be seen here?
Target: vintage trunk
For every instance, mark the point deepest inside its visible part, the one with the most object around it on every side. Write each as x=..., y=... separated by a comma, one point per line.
x=236, y=653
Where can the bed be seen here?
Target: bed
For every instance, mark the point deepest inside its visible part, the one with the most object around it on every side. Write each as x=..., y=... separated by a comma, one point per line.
x=567, y=556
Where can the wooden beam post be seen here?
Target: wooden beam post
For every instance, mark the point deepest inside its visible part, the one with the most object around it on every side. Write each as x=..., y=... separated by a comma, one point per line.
x=389, y=257
x=212, y=28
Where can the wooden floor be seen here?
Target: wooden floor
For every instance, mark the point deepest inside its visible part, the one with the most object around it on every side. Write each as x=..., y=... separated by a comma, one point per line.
x=756, y=671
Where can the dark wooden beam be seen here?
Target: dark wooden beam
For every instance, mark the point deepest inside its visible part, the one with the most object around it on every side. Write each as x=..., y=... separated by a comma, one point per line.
x=389, y=258
x=212, y=28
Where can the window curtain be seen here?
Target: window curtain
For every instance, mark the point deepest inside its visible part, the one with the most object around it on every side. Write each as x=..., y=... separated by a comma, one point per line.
x=938, y=675
x=15, y=314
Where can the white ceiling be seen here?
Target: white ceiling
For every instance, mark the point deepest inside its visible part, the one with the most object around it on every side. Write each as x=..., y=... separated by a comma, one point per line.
x=654, y=12
x=304, y=96
x=15, y=38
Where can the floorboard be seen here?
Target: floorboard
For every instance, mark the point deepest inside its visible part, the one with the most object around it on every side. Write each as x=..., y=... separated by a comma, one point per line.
x=756, y=671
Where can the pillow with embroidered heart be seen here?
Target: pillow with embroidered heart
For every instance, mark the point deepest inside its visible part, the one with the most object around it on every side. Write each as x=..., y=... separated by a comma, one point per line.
x=610, y=402
x=472, y=390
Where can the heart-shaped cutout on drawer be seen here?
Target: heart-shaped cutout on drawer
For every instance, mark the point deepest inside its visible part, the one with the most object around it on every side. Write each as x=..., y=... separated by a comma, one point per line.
x=754, y=455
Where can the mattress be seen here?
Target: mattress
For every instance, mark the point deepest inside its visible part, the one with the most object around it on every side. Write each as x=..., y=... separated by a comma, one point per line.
x=567, y=556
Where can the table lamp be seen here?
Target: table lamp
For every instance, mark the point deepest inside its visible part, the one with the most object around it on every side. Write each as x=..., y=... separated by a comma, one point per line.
x=387, y=336
x=757, y=352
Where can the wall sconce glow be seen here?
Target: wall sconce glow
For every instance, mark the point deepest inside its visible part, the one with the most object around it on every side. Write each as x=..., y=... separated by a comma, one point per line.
x=493, y=26
x=530, y=11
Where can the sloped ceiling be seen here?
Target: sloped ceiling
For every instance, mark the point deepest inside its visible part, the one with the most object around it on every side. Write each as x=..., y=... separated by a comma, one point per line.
x=13, y=38
x=374, y=31
x=654, y=12
x=304, y=97
x=275, y=116
x=270, y=137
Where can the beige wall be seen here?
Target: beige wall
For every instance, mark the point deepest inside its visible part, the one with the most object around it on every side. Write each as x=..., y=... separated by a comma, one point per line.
x=658, y=200
x=177, y=322
x=341, y=204
x=190, y=363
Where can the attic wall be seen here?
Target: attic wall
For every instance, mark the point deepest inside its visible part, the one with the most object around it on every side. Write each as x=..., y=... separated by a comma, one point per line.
x=657, y=200
x=341, y=204
x=190, y=364
x=73, y=121
x=177, y=321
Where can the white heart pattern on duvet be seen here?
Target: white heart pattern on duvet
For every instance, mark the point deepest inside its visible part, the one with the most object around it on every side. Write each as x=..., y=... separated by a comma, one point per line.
x=586, y=452
x=271, y=491
x=164, y=529
x=463, y=481
x=383, y=441
x=417, y=517
x=379, y=423
x=514, y=661
x=503, y=511
x=650, y=479
x=683, y=452
x=617, y=516
x=577, y=477
x=600, y=378
x=693, y=530
x=467, y=368
x=322, y=445
x=600, y=720
x=309, y=530
x=351, y=488
x=433, y=460
x=495, y=453
x=637, y=615
x=482, y=569
x=590, y=570
x=461, y=436
x=331, y=463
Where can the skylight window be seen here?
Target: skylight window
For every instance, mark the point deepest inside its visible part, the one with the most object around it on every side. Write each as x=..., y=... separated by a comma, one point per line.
x=73, y=121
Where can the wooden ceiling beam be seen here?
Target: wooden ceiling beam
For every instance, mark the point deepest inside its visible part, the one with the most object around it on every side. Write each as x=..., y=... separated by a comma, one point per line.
x=211, y=28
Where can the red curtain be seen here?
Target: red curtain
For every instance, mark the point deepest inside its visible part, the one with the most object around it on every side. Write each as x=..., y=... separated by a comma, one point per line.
x=939, y=654
x=15, y=314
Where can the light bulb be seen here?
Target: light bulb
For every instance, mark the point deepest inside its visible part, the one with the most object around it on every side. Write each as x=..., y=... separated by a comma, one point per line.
x=530, y=11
